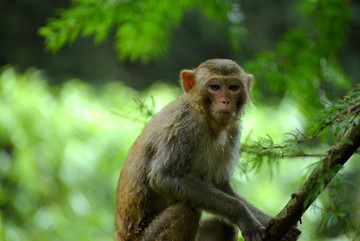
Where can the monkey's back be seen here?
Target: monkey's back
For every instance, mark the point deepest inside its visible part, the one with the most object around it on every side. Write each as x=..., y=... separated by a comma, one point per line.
x=137, y=203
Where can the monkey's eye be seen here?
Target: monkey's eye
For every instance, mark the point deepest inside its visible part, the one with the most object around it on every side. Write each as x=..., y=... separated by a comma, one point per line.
x=233, y=87
x=215, y=86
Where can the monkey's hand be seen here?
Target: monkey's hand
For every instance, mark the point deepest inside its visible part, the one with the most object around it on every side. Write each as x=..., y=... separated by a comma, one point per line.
x=292, y=235
x=252, y=231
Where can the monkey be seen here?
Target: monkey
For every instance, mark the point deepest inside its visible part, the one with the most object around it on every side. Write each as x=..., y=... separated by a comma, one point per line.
x=182, y=163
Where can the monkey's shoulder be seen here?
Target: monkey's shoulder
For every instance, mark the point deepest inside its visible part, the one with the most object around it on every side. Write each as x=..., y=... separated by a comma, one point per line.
x=177, y=118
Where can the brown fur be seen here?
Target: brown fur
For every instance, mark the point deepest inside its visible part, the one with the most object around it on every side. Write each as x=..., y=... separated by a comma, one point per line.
x=182, y=163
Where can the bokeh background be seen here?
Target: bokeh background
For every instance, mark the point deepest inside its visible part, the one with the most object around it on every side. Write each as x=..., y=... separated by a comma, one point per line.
x=68, y=119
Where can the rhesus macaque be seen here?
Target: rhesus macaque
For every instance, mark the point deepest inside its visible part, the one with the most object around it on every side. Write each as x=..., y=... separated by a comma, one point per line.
x=182, y=163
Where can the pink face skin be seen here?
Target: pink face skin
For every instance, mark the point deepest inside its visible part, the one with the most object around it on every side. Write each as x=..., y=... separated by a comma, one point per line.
x=225, y=92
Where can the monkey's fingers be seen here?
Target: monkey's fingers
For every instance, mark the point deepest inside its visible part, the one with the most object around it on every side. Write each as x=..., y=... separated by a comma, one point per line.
x=263, y=233
x=295, y=231
x=256, y=236
x=292, y=235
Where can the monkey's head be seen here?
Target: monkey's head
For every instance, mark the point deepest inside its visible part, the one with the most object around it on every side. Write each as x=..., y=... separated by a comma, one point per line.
x=220, y=86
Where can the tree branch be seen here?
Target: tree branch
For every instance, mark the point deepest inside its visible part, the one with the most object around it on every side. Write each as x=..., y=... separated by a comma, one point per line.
x=315, y=184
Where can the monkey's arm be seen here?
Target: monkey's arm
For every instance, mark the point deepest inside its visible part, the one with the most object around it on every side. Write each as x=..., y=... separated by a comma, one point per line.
x=199, y=194
x=263, y=218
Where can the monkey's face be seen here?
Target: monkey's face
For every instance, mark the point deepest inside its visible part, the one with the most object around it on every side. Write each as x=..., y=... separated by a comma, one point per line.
x=226, y=96
x=220, y=86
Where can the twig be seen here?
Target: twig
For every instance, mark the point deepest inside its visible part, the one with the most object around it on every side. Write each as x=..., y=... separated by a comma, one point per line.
x=128, y=117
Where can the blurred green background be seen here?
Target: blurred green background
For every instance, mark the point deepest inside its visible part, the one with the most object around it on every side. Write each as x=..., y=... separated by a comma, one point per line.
x=68, y=119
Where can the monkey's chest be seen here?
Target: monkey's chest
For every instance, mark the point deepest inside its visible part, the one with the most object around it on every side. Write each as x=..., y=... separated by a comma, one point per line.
x=214, y=165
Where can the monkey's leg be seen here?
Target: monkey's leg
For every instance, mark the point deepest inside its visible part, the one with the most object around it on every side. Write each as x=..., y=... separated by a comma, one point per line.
x=177, y=222
x=213, y=229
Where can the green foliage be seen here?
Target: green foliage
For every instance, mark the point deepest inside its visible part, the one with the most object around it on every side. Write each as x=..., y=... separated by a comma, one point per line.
x=330, y=122
x=304, y=64
x=61, y=147
x=143, y=28
x=336, y=211
x=52, y=156
x=61, y=150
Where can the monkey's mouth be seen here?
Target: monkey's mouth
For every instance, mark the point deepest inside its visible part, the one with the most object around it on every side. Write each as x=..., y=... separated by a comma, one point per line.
x=224, y=114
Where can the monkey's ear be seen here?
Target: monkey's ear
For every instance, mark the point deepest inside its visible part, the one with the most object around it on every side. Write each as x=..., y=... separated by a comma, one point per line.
x=188, y=79
x=250, y=80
